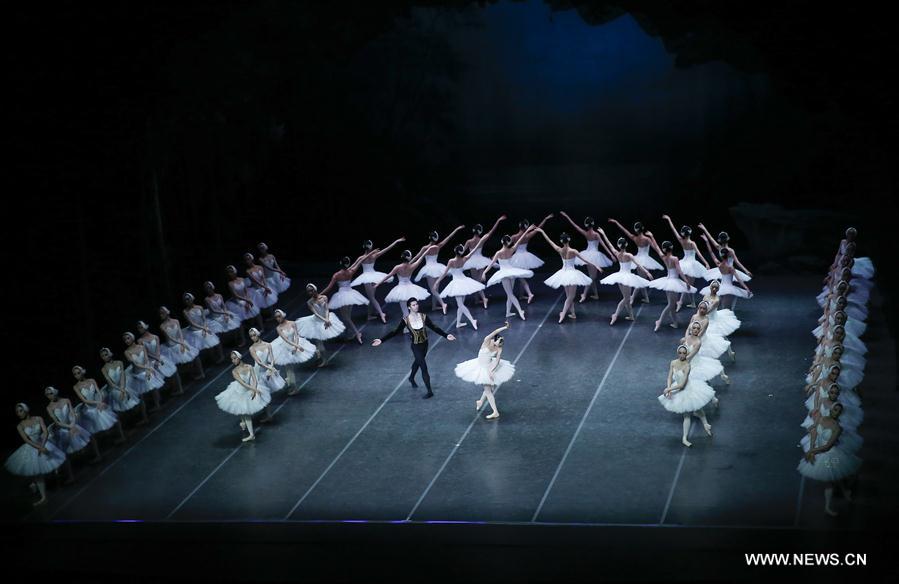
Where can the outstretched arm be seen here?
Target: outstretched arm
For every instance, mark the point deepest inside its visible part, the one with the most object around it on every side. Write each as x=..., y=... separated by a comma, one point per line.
x=577, y=254
x=526, y=231
x=621, y=227
x=491, y=336
x=712, y=252
x=671, y=225
x=604, y=240
x=388, y=276
x=548, y=240
x=545, y=219
x=573, y=224
x=490, y=267
x=443, y=275
x=388, y=248
x=738, y=263
x=391, y=334
x=712, y=239
x=701, y=257
x=450, y=236
x=330, y=285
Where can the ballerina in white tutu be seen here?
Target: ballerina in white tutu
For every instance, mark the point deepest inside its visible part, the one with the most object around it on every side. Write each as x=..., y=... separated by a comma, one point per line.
x=322, y=324
x=227, y=320
x=850, y=419
x=828, y=461
x=432, y=268
x=201, y=332
x=65, y=432
x=346, y=298
x=688, y=264
x=592, y=257
x=461, y=286
x=507, y=273
x=244, y=300
x=522, y=258
x=181, y=350
x=405, y=289
x=569, y=277
x=729, y=277
x=674, y=284
x=722, y=321
x=96, y=415
x=488, y=369
x=705, y=368
x=686, y=395
x=643, y=239
x=161, y=357
x=267, y=375
x=477, y=261
x=144, y=377
x=276, y=277
x=714, y=345
x=38, y=457
x=290, y=349
x=723, y=242
x=818, y=389
x=244, y=396
x=267, y=296
x=370, y=276
x=623, y=278
x=122, y=398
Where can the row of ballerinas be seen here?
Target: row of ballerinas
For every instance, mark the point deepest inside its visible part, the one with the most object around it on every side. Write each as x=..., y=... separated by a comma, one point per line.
x=832, y=384
x=515, y=265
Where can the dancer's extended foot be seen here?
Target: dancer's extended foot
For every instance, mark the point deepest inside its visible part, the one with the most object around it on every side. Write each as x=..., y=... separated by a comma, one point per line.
x=521, y=315
x=686, y=442
x=583, y=298
x=248, y=438
x=293, y=391
x=708, y=428
x=383, y=318
x=493, y=416
x=658, y=324
x=474, y=324
x=508, y=314
x=572, y=315
x=371, y=317
x=485, y=302
x=733, y=355
x=628, y=317
x=614, y=318
x=644, y=300
x=530, y=298
x=461, y=324
x=40, y=501
x=678, y=306
x=673, y=325
x=830, y=511
x=443, y=308
x=478, y=404
x=594, y=296
x=561, y=317
x=725, y=378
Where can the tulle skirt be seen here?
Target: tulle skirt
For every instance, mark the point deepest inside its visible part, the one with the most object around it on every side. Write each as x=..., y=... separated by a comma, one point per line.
x=372, y=277
x=595, y=256
x=199, y=341
x=236, y=399
x=727, y=290
x=863, y=267
x=432, y=270
x=225, y=323
x=509, y=272
x=833, y=465
x=138, y=382
x=723, y=322
x=704, y=368
x=403, y=291
x=273, y=382
x=715, y=274
x=713, y=345
x=626, y=278
x=461, y=286
x=277, y=282
x=242, y=310
x=477, y=261
x=568, y=277
x=692, y=398
x=671, y=285
x=96, y=420
x=346, y=297
x=692, y=268
x=285, y=354
x=261, y=298
x=473, y=372
x=181, y=353
x=119, y=402
x=525, y=260
x=167, y=365
x=644, y=260
x=68, y=441
x=849, y=438
x=312, y=327
x=28, y=461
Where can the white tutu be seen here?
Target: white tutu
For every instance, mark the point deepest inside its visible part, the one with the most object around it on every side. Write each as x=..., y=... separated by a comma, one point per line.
x=704, y=368
x=276, y=281
x=259, y=296
x=404, y=290
x=863, y=267
x=285, y=354
x=167, y=366
x=691, y=398
x=181, y=353
x=507, y=270
x=690, y=267
x=68, y=441
x=242, y=309
x=592, y=254
x=624, y=276
x=96, y=420
x=671, y=283
x=642, y=258
x=197, y=339
x=431, y=269
x=853, y=359
x=477, y=370
x=715, y=273
x=236, y=399
x=850, y=419
x=727, y=288
x=723, y=322
x=28, y=461
x=370, y=276
x=713, y=345
x=461, y=285
x=477, y=261
x=523, y=259
x=273, y=382
x=568, y=276
x=832, y=465
x=138, y=382
x=346, y=296
x=119, y=402
x=312, y=327
x=224, y=322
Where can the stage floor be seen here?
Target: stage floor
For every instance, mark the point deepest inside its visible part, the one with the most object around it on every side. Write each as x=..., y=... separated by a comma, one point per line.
x=581, y=438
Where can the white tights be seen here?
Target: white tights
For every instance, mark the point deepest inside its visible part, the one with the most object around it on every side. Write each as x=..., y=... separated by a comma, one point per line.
x=461, y=310
x=488, y=393
x=372, y=300
x=508, y=285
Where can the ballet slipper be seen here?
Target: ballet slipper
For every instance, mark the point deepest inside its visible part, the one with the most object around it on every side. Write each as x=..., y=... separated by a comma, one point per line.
x=474, y=324
x=583, y=298
x=572, y=316
x=359, y=337
x=444, y=308
x=561, y=317
x=658, y=324
x=530, y=298
x=383, y=318
x=461, y=324
x=686, y=442
x=673, y=325
x=614, y=318
x=485, y=302
x=478, y=404
x=678, y=306
x=493, y=416
x=521, y=315
x=510, y=314
x=707, y=428
x=371, y=317
x=248, y=438
x=725, y=378
x=628, y=318
x=733, y=355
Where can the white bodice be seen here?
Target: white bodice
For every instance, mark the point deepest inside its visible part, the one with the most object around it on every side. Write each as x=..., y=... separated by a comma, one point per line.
x=33, y=431
x=344, y=284
x=196, y=315
x=626, y=267
x=672, y=273
x=457, y=273
x=430, y=259
x=238, y=286
x=568, y=264
x=139, y=358
x=246, y=376
x=823, y=436
x=486, y=357
x=114, y=372
x=689, y=254
x=263, y=353
x=63, y=413
x=150, y=344
x=522, y=246
x=503, y=263
x=592, y=245
x=368, y=268
x=404, y=280
x=643, y=251
x=678, y=376
x=268, y=261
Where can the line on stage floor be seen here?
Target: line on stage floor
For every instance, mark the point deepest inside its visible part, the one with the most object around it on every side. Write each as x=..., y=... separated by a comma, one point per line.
x=680, y=465
x=599, y=387
x=478, y=416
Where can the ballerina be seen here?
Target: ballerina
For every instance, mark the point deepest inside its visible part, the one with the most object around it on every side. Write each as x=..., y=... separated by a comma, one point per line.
x=626, y=281
x=850, y=419
x=704, y=368
x=276, y=277
x=267, y=297
x=227, y=320
x=714, y=345
x=476, y=261
x=416, y=322
x=432, y=268
x=266, y=374
x=723, y=242
x=686, y=395
x=729, y=276
x=321, y=325
x=722, y=321
x=244, y=396
x=828, y=461
x=673, y=284
x=688, y=264
x=65, y=432
x=593, y=257
x=568, y=276
x=522, y=258
x=461, y=286
x=182, y=352
x=38, y=456
x=642, y=239
x=488, y=370
x=121, y=397
x=369, y=276
x=96, y=416
x=290, y=349
x=507, y=273
x=345, y=297
x=161, y=357
x=405, y=289
x=202, y=333
x=244, y=300
x=144, y=377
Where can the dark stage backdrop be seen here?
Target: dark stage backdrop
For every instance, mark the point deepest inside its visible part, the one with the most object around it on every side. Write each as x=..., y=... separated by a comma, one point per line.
x=155, y=142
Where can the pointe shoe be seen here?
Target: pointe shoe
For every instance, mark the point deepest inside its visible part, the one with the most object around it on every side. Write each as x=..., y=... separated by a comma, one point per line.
x=383, y=318
x=678, y=306
x=644, y=300
x=508, y=314
x=673, y=325
x=658, y=324
x=725, y=378
x=561, y=317
x=733, y=356
x=428, y=395
x=614, y=318
x=521, y=315
x=715, y=401
x=530, y=298
x=572, y=316
x=628, y=318
x=412, y=381
x=461, y=324
x=248, y=438
x=708, y=429
x=582, y=299
x=478, y=404
x=686, y=442
x=594, y=296
x=444, y=308
x=493, y=416
x=371, y=317
x=485, y=302
x=359, y=337
x=39, y=502
x=474, y=324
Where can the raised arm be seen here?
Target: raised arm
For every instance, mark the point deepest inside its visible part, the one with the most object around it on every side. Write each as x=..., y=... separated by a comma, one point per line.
x=395, y=269
x=330, y=284
x=491, y=336
x=738, y=264
x=545, y=219
x=490, y=267
x=573, y=224
x=577, y=254
x=490, y=233
x=548, y=240
x=621, y=227
x=526, y=231
x=712, y=253
x=389, y=247
x=604, y=240
x=710, y=238
x=673, y=230
x=450, y=236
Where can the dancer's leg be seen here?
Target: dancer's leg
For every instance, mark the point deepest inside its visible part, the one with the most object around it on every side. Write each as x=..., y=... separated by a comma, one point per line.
x=404, y=309
x=668, y=311
x=198, y=369
x=705, y=423
x=96, y=448
x=436, y=300
x=624, y=304
x=568, y=307
x=373, y=302
x=420, y=351
x=346, y=315
x=42, y=490
x=176, y=382
x=526, y=288
x=687, y=423
x=828, y=497
x=476, y=275
x=461, y=310
x=508, y=284
x=488, y=391
x=248, y=423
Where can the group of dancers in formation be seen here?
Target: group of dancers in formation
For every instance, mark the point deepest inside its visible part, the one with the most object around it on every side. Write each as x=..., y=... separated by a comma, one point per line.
x=832, y=384
x=153, y=363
